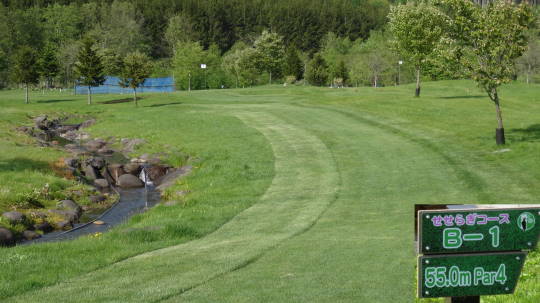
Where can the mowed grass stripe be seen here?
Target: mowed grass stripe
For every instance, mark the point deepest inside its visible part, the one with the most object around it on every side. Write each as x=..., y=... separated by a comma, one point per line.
x=306, y=182
x=361, y=250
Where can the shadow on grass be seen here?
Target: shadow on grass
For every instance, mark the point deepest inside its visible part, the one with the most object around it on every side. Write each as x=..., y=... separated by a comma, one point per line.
x=164, y=104
x=20, y=164
x=529, y=134
x=463, y=97
x=54, y=101
x=120, y=101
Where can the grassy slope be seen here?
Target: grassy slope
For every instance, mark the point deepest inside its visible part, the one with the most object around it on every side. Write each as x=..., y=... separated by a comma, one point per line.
x=390, y=151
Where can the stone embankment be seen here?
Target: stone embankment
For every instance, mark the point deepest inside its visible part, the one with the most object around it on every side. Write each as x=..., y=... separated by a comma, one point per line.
x=92, y=161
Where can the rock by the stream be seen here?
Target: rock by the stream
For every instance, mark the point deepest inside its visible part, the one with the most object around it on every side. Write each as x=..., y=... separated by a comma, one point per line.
x=170, y=178
x=155, y=172
x=97, y=162
x=44, y=227
x=132, y=168
x=42, y=122
x=71, y=162
x=6, y=236
x=105, y=151
x=97, y=198
x=130, y=144
x=71, y=205
x=70, y=216
x=30, y=235
x=88, y=123
x=90, y=172
x=101, y=183
x=129, y=181
x=94, y=145
x=116, y=170
x=14, y=217
x=64, y=225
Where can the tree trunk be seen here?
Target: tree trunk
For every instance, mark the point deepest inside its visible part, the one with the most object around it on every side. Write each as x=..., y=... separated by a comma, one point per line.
x=375, y=80
x=528, y=72
x=270, y=78
x=26, y=94
x=89, y=95
x=189, y=83
x=499, y=132
x=417, y=92
x=135, y=97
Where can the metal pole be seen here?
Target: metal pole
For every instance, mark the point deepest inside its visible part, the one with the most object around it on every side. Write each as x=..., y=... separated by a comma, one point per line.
x=398, y=74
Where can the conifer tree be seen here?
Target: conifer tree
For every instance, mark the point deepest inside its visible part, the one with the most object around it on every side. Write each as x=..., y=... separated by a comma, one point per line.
x=25, y=69
x=317, y=73
x=48, y=65
x=89, y=68
x=293, y=65
x=341, y=72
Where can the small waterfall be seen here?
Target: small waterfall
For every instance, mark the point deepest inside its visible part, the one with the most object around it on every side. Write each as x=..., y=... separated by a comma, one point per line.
x=144, y=177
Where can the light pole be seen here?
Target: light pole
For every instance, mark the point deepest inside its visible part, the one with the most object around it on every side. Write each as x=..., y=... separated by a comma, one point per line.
x=399, y=71
x=203, y=66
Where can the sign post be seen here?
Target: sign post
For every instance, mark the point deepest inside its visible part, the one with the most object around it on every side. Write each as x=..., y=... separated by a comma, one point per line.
x=466, y=253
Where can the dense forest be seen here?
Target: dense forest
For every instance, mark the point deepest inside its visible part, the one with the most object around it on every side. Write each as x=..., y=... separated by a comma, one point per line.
x=242, y=42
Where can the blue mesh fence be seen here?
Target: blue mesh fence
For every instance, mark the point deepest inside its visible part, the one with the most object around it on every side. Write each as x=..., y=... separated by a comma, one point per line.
x=111, y=86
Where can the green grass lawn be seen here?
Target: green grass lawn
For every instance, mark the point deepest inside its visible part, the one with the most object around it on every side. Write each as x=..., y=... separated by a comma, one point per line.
x=299, y=194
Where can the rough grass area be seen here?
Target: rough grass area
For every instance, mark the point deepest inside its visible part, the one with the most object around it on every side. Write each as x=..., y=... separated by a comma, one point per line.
x=299, y=194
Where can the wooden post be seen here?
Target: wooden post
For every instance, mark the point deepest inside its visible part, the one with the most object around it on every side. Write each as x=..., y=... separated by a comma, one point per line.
x=473, y=299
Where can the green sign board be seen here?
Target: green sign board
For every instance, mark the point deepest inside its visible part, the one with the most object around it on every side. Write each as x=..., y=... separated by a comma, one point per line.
x=478, y=230
x=469, y=275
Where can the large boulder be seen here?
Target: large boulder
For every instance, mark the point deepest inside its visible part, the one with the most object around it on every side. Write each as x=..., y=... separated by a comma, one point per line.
x=97, y=162
x=70, y=216
x=90, y=172
x=41, y=122
x=72, y=162
x=70, y=205
x=87, y=123
x=155, y=172
x=14, y=217
x=115, y=171
x=94, y=145
x=30, y=235
x=6, y=237
x=101, y=183
x=43, y=226
x=129, y=181
x=132, y=168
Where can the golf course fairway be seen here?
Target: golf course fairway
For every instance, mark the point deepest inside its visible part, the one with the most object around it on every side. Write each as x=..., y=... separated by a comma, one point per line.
x=330, y=220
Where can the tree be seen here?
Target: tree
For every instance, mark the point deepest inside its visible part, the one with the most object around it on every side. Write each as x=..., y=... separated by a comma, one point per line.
x=112, y=62
x=269, y=52
x=417, y=29
x=491, y=39
x=186, y=61
x=89, y=69
x=25, y=69
x=135, y=69
x=293, y=66
x=373, y=59
x=317, y=72
x=529, y=63
x=180, y=29
x=341, y=73
x=48, y=64
x=120, y=28
x=230, y=61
